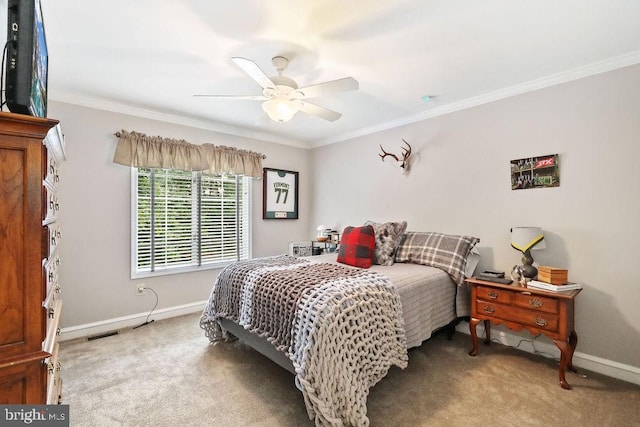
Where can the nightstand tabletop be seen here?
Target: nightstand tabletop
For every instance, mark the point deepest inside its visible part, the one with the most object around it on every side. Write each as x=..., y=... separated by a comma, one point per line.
x=519, y=288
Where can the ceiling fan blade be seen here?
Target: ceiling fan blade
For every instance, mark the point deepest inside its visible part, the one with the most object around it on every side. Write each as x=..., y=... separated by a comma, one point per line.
x=340, y=85
x=252, y=97
x=252, y=69
x=316, y=110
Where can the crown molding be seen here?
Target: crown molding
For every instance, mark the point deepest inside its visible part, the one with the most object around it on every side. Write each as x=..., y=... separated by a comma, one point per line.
x=611, y=64
x=115, y=107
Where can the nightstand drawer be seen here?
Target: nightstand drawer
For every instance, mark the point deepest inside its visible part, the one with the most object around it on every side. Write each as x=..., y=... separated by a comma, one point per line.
x=536, y=302
x=493, y=294
x=548, y=322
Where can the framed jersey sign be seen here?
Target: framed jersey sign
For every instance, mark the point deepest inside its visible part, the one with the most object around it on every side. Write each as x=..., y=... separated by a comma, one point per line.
x=280, y=194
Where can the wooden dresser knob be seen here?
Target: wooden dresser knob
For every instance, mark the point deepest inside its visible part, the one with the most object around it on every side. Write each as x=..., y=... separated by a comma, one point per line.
x=540, y=321
x=535, y=303
x=488, y=310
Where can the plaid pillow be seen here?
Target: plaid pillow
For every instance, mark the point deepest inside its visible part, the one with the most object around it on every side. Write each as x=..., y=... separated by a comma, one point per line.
x=446, y=252
x=388, y=237
x=356, y=246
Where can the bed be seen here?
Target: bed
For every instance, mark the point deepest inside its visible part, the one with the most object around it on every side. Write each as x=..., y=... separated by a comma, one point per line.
x=339, y=328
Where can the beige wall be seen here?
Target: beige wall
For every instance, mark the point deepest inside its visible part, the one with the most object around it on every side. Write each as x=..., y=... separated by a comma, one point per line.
x=96, y=216
x=459, y=183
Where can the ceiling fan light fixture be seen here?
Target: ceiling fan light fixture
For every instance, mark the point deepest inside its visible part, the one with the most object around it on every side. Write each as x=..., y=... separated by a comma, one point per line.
x=279, y=109
x=281, y=95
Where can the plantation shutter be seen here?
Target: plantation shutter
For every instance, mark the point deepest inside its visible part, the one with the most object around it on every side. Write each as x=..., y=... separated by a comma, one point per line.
x=221, y=203
x=142, y=230
x=190, y=219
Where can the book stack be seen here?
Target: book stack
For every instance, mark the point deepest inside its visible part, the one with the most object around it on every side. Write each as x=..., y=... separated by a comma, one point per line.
x=564, y=287
x=553, y=275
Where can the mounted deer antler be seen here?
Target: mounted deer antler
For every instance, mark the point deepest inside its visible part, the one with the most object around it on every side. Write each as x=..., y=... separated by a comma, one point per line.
x=406, y=153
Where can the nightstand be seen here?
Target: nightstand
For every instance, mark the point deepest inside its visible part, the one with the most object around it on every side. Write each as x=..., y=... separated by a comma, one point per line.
x=517, y=307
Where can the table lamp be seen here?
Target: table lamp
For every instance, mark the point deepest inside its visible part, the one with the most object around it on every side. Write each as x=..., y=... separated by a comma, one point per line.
x=524, y=239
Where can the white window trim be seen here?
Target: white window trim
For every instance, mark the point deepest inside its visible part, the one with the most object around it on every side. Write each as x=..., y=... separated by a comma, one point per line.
x=177, y=270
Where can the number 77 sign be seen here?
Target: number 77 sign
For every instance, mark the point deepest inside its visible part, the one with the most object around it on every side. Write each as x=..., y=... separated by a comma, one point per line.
x=280, y=194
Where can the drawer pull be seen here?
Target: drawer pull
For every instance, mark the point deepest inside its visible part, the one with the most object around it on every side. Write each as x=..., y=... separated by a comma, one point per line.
x=488, y=310
x=57, y=289
x=541, y=321
x=51, y=368
x=52, y=313
x=58, y=332
x=535, y=303
x=51, y=276
x=492, y=294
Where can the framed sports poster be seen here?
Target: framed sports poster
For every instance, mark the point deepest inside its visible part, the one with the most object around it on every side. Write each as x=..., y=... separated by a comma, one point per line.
x=280, y=194
x=535, y=172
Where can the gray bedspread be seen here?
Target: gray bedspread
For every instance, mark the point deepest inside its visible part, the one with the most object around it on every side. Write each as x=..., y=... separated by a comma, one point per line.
x=430, y=299
x=312, y=321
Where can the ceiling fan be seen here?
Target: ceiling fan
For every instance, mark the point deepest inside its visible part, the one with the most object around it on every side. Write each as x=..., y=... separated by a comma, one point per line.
x=281, y=95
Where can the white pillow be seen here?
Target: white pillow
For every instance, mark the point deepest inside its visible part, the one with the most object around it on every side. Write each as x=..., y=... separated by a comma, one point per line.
x=472, y=262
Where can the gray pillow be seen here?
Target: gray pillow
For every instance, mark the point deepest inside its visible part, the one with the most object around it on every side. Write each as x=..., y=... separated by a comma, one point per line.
x=444, y=251
x=388, y=237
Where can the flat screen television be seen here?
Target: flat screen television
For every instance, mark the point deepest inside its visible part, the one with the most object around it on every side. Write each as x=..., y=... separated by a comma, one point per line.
x=27, y=59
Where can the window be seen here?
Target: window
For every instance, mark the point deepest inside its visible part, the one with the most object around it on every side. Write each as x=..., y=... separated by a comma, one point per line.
x=185, y=221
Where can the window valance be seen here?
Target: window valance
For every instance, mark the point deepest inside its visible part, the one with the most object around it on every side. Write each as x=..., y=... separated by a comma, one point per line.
x=139, y=150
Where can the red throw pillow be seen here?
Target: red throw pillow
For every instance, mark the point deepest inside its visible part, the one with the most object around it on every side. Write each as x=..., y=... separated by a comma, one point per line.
x=356, y=246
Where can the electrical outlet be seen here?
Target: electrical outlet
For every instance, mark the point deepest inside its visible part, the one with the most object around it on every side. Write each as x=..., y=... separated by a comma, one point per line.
x=140, y=289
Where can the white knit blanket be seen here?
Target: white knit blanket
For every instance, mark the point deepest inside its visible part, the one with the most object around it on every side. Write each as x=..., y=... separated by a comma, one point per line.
x=341, y=327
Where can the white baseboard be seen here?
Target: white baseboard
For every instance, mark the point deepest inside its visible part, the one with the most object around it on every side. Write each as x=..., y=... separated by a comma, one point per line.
x=580, y=360
x=104, y=326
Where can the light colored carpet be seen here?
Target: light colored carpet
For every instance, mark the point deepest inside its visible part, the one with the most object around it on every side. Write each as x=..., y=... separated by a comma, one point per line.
x=168, y=374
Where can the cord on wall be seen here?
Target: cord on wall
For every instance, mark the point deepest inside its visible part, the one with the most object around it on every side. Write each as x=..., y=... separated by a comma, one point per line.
x=147, y=321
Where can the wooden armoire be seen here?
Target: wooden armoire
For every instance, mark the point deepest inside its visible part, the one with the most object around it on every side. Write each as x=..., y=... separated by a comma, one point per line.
x=31, y=149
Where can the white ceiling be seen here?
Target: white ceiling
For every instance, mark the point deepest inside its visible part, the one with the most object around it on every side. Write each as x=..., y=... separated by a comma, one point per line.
x=148, y=57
